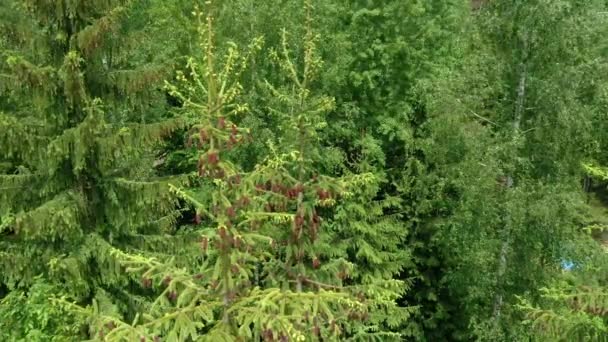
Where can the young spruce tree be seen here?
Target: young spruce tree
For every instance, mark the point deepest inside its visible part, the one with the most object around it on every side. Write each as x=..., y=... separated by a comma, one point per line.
x=269, y=269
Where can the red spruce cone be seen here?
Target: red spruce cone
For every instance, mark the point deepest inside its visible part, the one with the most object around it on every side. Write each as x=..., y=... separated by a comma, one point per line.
x=316, y=263
x=221, y=122
x=202, y=136
x=212, y=158
x=323, y=194
x=222, y=233
x=204, y=244
x=146, y=283
x=298, y=220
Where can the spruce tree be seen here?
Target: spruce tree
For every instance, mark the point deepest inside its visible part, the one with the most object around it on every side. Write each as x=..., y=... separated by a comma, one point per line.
x=269, y=268
x=80, y=109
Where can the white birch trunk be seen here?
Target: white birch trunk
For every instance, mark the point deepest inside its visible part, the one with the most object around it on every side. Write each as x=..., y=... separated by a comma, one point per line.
x=506, y=239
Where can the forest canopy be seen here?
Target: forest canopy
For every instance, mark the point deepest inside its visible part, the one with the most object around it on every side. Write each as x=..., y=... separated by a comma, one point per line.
x=303, y=170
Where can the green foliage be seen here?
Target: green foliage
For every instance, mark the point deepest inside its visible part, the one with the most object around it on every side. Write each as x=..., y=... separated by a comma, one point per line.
x=270, y=267
x=303, y=170
x=574, y=306
x=29, y=317
x=77, y=145
x=514, y=233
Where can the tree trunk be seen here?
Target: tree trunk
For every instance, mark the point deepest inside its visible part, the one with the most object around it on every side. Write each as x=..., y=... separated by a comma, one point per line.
x=506, y=239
